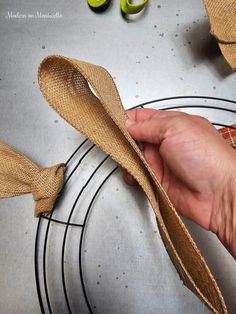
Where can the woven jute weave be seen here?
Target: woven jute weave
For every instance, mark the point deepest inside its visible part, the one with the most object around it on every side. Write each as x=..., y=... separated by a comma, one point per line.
x=19, y=175
x=86, y=97
x=222, y=16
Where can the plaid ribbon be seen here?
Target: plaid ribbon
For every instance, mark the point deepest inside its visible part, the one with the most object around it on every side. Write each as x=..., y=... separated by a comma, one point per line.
x=229, y=134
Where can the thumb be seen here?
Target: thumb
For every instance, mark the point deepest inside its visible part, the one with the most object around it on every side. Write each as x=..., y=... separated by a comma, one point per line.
x=150, y=130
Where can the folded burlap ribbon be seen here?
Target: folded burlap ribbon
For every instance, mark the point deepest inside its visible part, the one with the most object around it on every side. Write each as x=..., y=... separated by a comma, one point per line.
x=222, y=15
x=85, y=95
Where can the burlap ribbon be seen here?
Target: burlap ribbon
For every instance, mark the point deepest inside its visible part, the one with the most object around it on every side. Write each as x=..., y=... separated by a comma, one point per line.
x=222, y=15
x=86, y=96
x=19, y=175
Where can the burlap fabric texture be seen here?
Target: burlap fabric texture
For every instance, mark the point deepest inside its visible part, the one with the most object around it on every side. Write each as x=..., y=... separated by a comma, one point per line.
x=19, y=175
x=85, y=95
x=222, y=16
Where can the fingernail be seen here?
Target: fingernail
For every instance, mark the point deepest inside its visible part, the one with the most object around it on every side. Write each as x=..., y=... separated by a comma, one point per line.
x=129, y=122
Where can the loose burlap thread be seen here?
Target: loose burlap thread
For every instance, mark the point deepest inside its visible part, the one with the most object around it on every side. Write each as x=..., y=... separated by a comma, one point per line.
x=19, y=175
x=222, y=16
x=85, y=96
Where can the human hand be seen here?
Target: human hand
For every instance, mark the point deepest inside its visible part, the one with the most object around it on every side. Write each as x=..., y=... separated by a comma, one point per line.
x=194, y=164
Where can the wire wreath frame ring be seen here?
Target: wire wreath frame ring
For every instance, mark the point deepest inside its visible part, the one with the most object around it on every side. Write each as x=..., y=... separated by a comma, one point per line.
x=45, y=305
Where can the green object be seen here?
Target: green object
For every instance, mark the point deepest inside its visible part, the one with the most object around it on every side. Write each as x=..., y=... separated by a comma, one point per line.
x=128, y=8
x=97, y=3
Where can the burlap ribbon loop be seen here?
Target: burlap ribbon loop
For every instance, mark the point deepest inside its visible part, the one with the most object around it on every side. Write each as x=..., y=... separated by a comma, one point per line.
x=85, y=95
x=19, y=175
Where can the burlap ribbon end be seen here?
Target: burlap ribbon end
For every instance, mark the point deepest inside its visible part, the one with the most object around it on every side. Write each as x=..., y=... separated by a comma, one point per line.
x=222, y=16
x=19, y=175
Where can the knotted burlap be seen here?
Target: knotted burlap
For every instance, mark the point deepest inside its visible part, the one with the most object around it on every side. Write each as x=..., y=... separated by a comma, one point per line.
x=19, y=175
x=222, y=15
x=86, y=96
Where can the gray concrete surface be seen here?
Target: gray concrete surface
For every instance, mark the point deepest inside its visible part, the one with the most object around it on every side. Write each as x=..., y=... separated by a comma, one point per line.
x=165, y=51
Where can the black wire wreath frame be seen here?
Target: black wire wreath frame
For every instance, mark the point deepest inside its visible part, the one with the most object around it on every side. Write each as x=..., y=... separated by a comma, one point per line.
x=83, y=225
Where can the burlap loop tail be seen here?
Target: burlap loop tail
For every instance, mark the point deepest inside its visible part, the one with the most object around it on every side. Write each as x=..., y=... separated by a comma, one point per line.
x=85, y=96
x=19, y=175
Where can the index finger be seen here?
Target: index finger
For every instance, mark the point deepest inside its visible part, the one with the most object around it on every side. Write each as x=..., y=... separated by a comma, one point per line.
x=140, y=114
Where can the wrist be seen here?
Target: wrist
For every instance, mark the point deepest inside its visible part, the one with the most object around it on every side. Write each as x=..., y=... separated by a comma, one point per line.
x=223, y=218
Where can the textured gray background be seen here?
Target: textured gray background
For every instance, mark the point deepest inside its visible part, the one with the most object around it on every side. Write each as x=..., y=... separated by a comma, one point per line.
x=165, y=51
